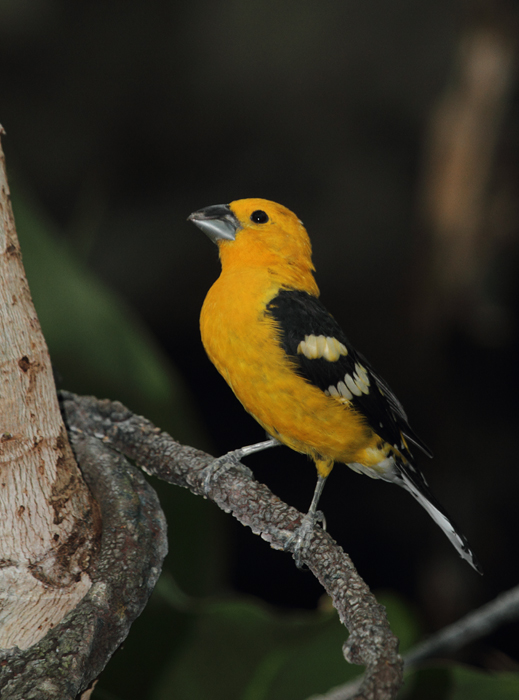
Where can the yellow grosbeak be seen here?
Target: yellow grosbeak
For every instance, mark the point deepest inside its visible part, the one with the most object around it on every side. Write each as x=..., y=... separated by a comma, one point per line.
x=290, y=364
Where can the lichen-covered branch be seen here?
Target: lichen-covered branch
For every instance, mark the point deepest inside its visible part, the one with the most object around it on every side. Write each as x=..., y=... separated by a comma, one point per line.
x=370, y=642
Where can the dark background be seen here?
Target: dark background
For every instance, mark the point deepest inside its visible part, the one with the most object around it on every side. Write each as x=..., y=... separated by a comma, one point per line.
x=124, y=117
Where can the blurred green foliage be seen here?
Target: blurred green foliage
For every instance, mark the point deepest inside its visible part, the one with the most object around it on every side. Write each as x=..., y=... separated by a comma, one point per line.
x=240, y=648
x=96, y=343
x=456, y=682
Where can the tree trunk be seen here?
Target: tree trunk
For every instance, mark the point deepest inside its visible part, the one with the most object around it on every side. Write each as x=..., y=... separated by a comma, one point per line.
x=49, y=524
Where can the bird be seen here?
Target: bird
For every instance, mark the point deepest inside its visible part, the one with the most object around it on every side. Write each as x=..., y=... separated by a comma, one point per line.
x=290, y=364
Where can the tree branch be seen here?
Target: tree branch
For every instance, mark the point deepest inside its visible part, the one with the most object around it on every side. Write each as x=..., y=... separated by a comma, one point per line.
x=370, y=643
x=477, y=624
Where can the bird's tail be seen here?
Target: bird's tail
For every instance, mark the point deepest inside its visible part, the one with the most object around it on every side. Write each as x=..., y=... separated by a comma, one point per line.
x=415, y=483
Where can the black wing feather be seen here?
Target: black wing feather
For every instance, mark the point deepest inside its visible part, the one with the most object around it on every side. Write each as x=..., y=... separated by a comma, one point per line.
x=298, y=314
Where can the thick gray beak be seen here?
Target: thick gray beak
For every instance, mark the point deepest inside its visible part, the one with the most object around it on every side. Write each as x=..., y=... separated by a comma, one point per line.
x=217, y=221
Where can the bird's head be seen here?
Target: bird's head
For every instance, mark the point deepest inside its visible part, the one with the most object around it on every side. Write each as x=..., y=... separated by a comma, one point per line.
x=255, y=232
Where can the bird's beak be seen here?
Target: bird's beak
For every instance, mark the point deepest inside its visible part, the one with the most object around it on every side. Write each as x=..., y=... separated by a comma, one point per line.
x=218, y=222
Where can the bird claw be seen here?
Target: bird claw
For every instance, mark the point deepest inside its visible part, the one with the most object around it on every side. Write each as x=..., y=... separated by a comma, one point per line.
x=300, y=540
x=232, y=459
x=223, y=464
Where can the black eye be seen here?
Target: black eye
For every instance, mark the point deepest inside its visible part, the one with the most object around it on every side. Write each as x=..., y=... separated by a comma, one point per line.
x=259, y=217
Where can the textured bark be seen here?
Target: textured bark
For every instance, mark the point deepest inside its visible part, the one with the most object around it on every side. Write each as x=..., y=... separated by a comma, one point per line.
x=132, y=548
x=49, y=528
x=370, y=643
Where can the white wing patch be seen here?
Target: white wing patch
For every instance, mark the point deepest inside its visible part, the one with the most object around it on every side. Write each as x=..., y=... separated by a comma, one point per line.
x=344, y=391
x=356, y=384
x=316, y=346
x=351, y=385
x=361, y=378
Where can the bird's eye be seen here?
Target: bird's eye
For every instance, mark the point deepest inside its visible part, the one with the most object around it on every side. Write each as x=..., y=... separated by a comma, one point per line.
x=259, y=217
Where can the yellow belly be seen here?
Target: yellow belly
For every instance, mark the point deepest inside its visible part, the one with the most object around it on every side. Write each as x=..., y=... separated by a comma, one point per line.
x=241, y=341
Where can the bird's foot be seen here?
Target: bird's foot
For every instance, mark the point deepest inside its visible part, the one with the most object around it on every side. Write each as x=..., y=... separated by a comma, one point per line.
x=232, y=459
x=299, y=542
x=223, y=464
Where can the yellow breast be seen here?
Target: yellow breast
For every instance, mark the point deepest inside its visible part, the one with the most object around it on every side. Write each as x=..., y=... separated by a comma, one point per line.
x=243, y=343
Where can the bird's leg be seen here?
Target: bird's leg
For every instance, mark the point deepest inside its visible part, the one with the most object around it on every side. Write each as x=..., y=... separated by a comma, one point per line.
x=232, y=459
x=299, y=541
x=238, y=454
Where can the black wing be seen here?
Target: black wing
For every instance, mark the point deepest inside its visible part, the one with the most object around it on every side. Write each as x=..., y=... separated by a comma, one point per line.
x=302, y=319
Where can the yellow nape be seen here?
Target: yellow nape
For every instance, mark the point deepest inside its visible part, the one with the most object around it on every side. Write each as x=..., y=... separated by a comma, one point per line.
x=279, y=243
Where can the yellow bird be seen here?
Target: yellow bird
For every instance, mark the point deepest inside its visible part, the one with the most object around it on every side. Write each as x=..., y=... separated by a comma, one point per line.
x=290, y=364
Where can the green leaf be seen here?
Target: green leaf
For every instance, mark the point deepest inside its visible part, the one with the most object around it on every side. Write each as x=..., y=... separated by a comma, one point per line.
x=472, y=684
x=242, y=649
x=456, y=682
x=401, y=619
